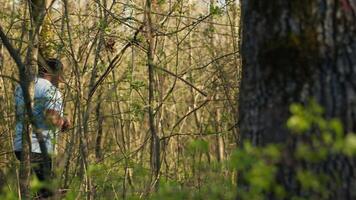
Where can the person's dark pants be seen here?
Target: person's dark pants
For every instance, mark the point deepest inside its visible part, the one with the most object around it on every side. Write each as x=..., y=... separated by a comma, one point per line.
x=42, y=167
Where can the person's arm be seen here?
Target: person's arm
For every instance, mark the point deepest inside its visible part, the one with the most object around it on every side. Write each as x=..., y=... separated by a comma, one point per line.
x=54, y=110
x=54, y=119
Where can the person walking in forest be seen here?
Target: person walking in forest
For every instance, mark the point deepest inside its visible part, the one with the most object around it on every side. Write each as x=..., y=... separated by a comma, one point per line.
x=48, y=119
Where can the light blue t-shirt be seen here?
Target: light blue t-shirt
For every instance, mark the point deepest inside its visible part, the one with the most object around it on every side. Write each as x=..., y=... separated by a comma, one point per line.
x=47, y=97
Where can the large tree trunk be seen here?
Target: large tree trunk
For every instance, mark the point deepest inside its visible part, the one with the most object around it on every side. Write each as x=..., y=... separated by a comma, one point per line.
x=292, y=51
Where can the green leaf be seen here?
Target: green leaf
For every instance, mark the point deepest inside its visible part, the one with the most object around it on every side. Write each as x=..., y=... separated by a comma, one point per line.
x=160, y=2
x=200, y=146
x=261, y=176
x=314, y=107
x=298, y=124
x=296, y=109
x=35, y=184
x=336, y=126
x=272, y=151
x=308, y=180
x=240, y=160
x=350, y=145
x=215, y=10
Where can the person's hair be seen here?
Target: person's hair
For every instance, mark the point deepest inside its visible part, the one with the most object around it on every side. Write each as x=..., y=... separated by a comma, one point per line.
x=52, y=66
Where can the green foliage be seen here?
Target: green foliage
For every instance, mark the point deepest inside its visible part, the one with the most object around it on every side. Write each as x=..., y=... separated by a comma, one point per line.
x=258, y=170
x=349, y=147
x=198, y=146
x=137, y=84
x=161, y=2
x=137, y=111
x=216, y=10
x=330, y=139
x=308, y=180
x=257, y=167
x=74, y=188
x=8, y=194
x=36, y=184
x=302, y=119
x=170, y=190
x=322, y=138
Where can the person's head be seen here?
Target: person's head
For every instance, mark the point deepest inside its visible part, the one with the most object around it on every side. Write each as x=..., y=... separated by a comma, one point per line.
x=51, y=70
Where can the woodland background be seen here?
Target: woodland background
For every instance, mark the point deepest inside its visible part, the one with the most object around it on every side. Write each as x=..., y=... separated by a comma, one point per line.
x=104, y=48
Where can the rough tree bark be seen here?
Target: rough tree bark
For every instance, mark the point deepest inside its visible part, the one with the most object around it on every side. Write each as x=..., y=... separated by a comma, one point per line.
x=27, y=73
x=155, y=146
x=37, y=11
x=292, y=51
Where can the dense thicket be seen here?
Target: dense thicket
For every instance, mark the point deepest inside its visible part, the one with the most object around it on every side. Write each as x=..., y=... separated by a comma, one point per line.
x=150, y=88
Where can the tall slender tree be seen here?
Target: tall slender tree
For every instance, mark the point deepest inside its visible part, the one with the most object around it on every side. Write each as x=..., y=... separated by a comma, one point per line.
x=155, y=146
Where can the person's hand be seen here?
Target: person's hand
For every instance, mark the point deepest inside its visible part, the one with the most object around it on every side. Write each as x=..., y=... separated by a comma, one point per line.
x=66, y=124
